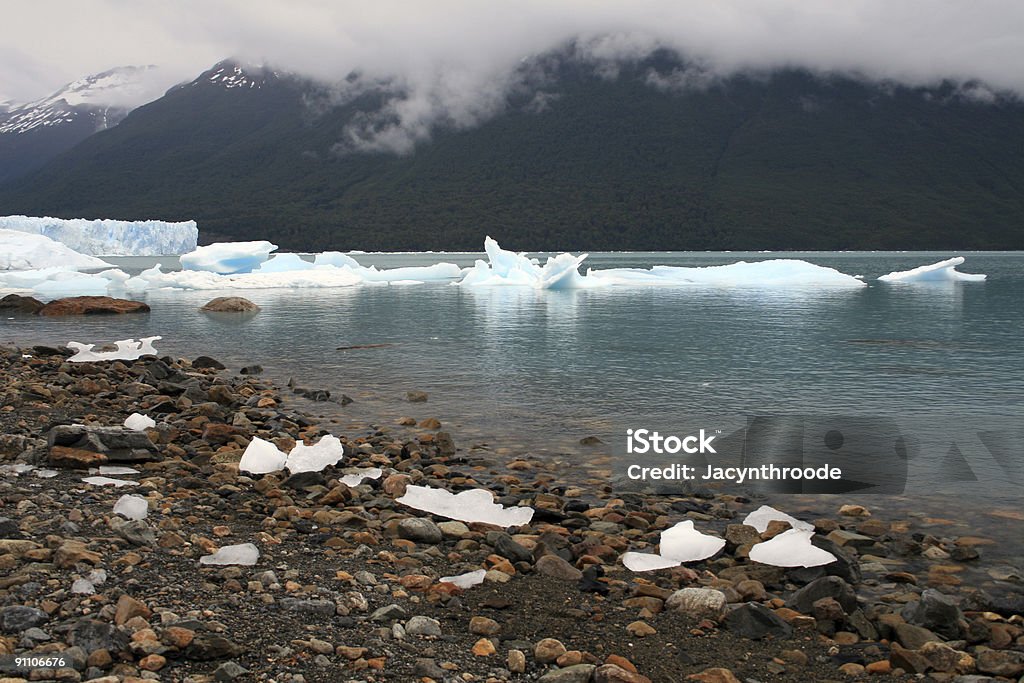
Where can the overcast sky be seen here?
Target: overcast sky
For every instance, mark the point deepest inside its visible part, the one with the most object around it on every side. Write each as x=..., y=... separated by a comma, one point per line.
x=455, y=58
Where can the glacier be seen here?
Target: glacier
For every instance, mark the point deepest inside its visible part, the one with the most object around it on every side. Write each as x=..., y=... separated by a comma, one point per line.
x=943, y=271
x=106, y=237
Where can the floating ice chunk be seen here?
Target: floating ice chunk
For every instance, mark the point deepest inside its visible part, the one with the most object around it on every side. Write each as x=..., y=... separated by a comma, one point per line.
x=327, y=451
x=474, y=505
x=139, y=422
x=132, y=507
x=467, y=580
x=683, y=543
x=760, y=518
x=791, y=548
x=107, y=481
x=116, y=470
x=437, y=271
x=317, y=278
x=23, y=251
x=284, y=263
x=243, y=553
x=228, y=257
x=562, y=272
x=70, y=283
x=357, y=477
x=261, y=457
x=647, y=562
x=127, y=349
x=110, y=237
x=943, y=271
x=334, y=258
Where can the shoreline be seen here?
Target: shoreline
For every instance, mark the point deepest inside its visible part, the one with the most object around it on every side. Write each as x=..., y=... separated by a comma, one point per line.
x=335, y=562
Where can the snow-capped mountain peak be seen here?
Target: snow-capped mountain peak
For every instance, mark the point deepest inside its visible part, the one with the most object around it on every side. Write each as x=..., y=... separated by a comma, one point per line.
x=231, y=74
x=107, y=97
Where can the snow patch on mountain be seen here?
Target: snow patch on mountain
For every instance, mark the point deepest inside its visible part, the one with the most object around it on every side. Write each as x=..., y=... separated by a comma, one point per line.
x=106, y=97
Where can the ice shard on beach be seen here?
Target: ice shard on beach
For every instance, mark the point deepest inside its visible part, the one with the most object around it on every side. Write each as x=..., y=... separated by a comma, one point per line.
x=132, y=507
x=792, y=548
x=325, y=452
x=943, y=271
x=127, y=349
x=474, y=505
x=107, y=481
x=467, y=580
x=261, y=457
x=242, y=554
x=139, y=422
x=680, y=543
x=762, y=516
x=356, y=478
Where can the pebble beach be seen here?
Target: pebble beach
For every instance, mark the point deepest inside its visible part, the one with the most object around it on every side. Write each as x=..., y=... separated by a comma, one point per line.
x=347, y=584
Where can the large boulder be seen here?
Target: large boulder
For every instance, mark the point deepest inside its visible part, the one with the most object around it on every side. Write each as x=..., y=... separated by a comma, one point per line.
x=92, y=305
x=14, y=303
x=230, y=304
x=78, y=446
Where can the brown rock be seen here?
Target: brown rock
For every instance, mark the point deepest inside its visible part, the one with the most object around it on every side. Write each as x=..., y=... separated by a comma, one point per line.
x=716, y=675
x=20, y=304
x=484, y=626
x=610, y=673
x=230, y=304
x=852, y=669
x=71, y=553
x=516, y=661
x=92, y=305
x=548, y=650
x=908, y=660
x=128, y=607
x=484, y=648
x=178, y=637
x=152, y=662
x=75, y=458
x=554, y=566
x=640, y=629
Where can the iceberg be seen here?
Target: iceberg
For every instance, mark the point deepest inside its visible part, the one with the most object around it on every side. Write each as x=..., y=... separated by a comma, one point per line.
x=127, y=349
x=506, y=268
x=25, y=251
x=335, y=258
x=327, y=451
x=261, y=457
x=791, y=548
x=327, y=276
x=647, y=562
x=473, y=505
x=762, y=516
x=105, y=237
x=284, y=263
x=139, y=422
x=467, y=580
x=943, y=271
x=243, y=553
x=132, y=507
x=227, y=258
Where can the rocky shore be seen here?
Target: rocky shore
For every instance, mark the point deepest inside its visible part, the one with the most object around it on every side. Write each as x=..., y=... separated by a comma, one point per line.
x=346, y=587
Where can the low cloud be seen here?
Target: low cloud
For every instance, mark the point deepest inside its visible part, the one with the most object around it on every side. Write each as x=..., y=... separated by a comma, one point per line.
x=453, y=62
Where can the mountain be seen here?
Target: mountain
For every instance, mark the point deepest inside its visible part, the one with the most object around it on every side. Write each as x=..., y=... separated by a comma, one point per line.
x=32, y=134
x=652, y=155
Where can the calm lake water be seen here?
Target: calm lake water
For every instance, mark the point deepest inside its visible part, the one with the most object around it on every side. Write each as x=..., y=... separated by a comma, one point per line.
x=532, y=372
